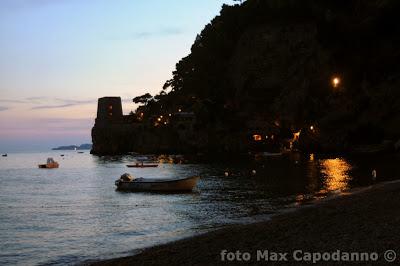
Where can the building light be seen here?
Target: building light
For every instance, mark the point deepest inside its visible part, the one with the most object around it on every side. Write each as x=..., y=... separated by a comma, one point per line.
x=179, y=110
x=335, y=82
x=158, y=119
x=257, y=137
x=169, y=114
x=272, y=137
x=312, y=128
x=296, y=135
x=110, y=107
x=161, y=116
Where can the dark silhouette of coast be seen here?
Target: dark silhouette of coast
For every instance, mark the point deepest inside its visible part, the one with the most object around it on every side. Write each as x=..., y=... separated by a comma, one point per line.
x=317, y=76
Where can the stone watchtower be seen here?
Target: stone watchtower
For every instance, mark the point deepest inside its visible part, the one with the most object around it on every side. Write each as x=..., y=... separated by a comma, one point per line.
x=109, y=110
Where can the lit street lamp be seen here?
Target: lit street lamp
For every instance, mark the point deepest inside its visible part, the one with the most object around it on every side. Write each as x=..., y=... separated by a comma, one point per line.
x=335, y=82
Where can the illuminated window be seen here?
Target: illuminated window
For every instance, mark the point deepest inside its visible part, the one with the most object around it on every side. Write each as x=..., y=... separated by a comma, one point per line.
x=110, y=107
x=296, y=135
x=257, y=137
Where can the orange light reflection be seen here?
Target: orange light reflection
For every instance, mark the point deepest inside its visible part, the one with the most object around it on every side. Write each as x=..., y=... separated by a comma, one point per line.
x=336, y=172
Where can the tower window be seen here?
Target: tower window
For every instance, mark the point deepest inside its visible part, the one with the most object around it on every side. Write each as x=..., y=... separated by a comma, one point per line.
x=257, y=137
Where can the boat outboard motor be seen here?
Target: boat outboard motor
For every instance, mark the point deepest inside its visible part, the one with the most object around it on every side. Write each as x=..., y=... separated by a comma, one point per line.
x=127, y=177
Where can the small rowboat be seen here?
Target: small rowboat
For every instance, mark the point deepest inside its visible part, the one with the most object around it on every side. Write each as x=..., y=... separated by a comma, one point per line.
x=158, y=185
x=50, y=164
x=137, y=165
x=5, y=155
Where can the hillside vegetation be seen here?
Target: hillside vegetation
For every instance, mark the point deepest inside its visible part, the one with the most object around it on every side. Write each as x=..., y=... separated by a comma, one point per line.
x=268, y=65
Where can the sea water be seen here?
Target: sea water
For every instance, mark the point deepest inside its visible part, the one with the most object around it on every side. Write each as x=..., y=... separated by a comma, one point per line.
x=74, y=214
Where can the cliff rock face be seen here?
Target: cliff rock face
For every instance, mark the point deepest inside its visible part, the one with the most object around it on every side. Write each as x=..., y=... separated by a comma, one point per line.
x=273, y=62
x=274, y=66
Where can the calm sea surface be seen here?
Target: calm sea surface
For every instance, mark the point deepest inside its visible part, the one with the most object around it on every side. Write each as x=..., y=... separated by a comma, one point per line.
x=73, y=214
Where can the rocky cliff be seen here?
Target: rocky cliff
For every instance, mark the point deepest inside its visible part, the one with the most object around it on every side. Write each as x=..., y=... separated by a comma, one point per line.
x=274, y=61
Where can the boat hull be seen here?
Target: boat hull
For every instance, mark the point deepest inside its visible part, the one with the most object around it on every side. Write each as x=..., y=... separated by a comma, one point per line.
x=172, y=185
x=48, y=166
x=141, y=166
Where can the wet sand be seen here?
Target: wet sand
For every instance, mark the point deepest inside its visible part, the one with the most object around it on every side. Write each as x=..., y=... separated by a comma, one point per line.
x=364, y=221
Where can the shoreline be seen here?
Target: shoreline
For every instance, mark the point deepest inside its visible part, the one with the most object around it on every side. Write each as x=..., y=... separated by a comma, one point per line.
x=364, y=219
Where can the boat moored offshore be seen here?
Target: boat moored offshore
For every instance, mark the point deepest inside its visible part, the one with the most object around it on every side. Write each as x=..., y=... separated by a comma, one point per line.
x=49, y=164
x=128, y=183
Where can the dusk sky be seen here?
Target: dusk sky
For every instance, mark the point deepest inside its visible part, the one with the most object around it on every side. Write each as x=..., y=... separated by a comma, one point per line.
x=58, y=56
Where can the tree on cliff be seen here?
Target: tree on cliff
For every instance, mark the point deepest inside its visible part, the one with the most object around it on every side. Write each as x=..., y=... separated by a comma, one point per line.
x=271, y=60
x=143, y=99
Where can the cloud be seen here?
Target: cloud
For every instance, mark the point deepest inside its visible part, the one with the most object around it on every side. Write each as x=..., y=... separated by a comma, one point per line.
x=11, y=101
x=40, y=98
x=63, y=103
x=47, y=123
x=164, y=32
x=42, y=102
x=44, y=128
x=77, y=102
x=53, y=106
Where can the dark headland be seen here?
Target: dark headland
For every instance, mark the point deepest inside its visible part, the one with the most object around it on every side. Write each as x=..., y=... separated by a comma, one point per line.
x=367, y=221
x=310, y=75
x=320, y=76
x=73, y=147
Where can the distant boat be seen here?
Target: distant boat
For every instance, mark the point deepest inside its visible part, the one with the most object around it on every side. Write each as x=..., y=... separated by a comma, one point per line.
x=81, y=152
x=50, y=164
x=156, y=184
x=62, y=155
x=141, y=165
x=5, y=155
x=271, y=154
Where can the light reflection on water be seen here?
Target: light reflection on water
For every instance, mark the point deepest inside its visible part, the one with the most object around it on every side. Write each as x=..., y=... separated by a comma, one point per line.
x=336, y=172
x=71, y=214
